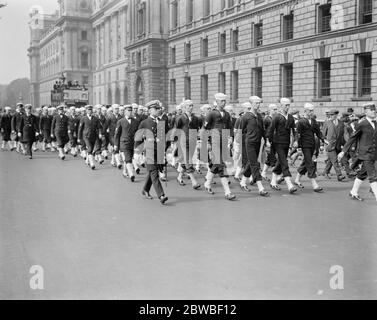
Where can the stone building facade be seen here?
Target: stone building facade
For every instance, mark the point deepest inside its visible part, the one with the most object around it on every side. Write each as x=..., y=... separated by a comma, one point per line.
x=321, y=51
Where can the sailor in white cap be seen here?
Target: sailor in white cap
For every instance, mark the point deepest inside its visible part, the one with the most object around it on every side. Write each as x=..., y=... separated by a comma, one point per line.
x=6, y=128
x=279, y=135
x=73, y=127
x=112, y=120
x=16, y=120
x=307, y=128
x=59, y=130
x=36, y=145
x=220, y=122
x=252, y=130
x=186, y=129
x=271, y=158
x=90, y=131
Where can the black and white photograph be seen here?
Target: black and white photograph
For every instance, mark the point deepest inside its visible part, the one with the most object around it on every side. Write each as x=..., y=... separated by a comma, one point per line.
x=188, y=150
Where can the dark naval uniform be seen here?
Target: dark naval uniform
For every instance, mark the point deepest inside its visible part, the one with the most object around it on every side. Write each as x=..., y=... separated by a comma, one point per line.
x=73, y=129
x=89, y=131
x=15, y=124
x=148, y=130
x=59, y=128
x=218, y=122
x=366, y=137
x=271, y=158
x=252, y=127
x=124, y=137
x=6, y=126
x=279, y=135
x=45, y=122
x=186, y=124
x=28, y=129
x=306, y=132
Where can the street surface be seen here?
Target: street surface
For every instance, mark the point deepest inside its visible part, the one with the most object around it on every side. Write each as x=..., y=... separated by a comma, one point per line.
x=96, y=238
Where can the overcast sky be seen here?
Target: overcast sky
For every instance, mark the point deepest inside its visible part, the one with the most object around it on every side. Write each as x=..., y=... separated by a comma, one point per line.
x=15, y=37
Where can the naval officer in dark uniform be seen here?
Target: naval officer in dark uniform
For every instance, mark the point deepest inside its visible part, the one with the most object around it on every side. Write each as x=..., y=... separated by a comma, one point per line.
x=307, y=129
x=366, y=136
x=6, y=128
x=124, y=141
x=59, y=130
x=90, y=131
x=155, y=148
x=28, y=130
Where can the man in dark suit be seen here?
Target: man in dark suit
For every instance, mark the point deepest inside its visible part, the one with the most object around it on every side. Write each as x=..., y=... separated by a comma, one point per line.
x=73, y=129
x=111, y=123
x=218, y=121
x=28, y=130
x=186, y=129
x=251, y=127
x=366, y=137
x=59, y=130
x=45, y=121
x=154, y=145
x=307, y=129
x=333, y=132
x=6, y=128
x=279, y=137
x=90, y=132
x=271, y=158
x=15, y=123
x=124, y=141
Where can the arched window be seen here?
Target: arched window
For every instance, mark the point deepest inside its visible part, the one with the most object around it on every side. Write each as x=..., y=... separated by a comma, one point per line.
x=139, y=91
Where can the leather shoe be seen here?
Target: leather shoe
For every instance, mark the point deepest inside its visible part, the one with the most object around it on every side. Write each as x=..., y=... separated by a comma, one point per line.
x=264, y=193
x=356, y=197
x=299, y=184
x=146, y=195
x=318, y=190
x=245, y=188
x=163, y=199
x=196, y=187
x=209, y=190
x=133, y=178
x=275, y=187
x=181, y=182
x=292, y=190
x=230, y=197
x=341, y=178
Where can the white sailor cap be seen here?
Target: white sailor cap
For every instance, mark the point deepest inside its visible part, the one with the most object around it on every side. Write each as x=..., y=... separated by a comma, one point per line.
x=205, y=107
x=229, y=108
x=308, y=106
x=135, y=106
x=115, y=106
x=103, y=108
x=246, y=105
x=285, y=101
x=255, y=99
x=7, y=108
x=221, y=96
x=179, y=106
x=121, y=108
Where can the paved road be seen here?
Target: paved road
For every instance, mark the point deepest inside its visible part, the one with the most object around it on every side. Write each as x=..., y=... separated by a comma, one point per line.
x=95, y=237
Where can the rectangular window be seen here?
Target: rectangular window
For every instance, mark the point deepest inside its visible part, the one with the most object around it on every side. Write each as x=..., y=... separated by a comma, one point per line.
x=174, y=23
x=141, y=20
x=84, y=60
x=188, y=51
x=206, y=8
x=235, y=40
x=172, y=55
x=257, y=82
x=258, y=34
x=234, y=86
x=172, y=90
x=223, y=2
x=222, y=43
x=204, y=89
x=138, y=60
x=288, y=27
x=190, y=11
x=324, y=18
x=366, y=11
x=364, y=73
x=205, y=47
x=222, y=82
x=323, y=67
x=187, y=87
x=286, y=77
x=85, y=80
x=84, y=35
x=230, y=3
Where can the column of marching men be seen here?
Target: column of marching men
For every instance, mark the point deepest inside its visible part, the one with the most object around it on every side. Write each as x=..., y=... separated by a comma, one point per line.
x=130, y=138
